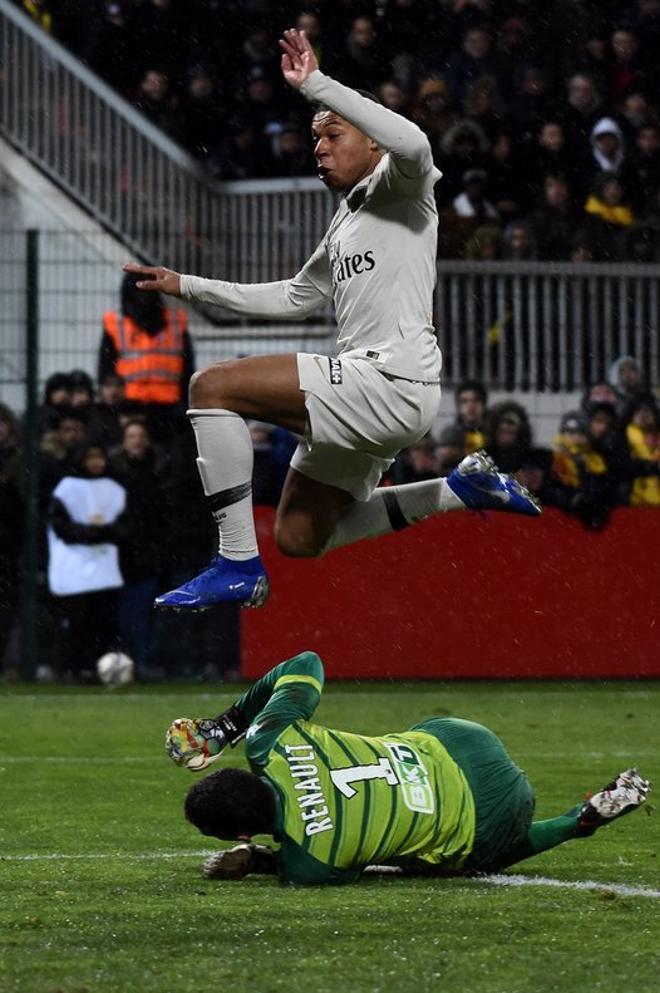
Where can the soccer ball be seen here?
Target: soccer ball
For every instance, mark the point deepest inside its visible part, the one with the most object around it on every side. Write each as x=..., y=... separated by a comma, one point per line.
x=115, y=669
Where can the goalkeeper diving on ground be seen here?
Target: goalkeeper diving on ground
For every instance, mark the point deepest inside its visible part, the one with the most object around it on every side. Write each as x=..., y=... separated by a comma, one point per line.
x=443, y=798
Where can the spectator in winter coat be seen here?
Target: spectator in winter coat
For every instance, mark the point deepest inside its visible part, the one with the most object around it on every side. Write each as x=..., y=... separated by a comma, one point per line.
x=470, y=400
x=57, y=397
x=643, y=436
x=583, y=109
x=582, y=482
x=625, y=377
x=607, y=148
x=508, y=435
x=59, y=450
x=472, y=202
x=645, y=167
x=610, y=215
x=104, y=422
x=141, y=469
x=555, y=222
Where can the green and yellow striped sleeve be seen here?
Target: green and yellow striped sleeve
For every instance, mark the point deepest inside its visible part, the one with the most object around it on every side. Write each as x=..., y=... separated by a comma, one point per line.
x=289, y=692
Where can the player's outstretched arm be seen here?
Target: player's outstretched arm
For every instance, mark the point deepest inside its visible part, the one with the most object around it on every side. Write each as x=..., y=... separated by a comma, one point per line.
x=407, y=144
x=292, y=299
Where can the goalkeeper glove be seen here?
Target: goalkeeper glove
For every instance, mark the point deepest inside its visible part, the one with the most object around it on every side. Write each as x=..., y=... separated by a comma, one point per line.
x=235, y=863
x=197, y=742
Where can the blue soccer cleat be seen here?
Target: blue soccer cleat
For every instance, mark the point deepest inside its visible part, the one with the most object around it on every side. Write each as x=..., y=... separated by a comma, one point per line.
x=224, y=581
x=477, y=482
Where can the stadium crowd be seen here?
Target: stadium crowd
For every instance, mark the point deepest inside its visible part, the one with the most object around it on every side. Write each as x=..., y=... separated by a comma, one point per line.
x=543, y=117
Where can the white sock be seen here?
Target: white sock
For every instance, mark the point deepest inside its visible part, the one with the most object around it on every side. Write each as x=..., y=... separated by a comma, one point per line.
x=225, y=462
x=391, y=508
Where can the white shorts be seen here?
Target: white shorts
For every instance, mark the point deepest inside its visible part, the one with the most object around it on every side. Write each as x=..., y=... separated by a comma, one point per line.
x=359, y=418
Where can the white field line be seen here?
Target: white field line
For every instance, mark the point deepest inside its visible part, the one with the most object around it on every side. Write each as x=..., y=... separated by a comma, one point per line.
x=621, y=889
x=590, y=885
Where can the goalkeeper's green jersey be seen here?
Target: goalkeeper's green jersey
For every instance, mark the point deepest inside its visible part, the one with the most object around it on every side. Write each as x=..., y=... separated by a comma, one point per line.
x=346, y=800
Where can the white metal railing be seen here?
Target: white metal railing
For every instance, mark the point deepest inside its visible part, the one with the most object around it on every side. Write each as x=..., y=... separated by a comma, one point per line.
x=541, y=326
x=137, y=182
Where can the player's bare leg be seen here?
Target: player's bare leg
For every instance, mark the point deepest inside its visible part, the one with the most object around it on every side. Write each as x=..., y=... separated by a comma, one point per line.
x=308, y=515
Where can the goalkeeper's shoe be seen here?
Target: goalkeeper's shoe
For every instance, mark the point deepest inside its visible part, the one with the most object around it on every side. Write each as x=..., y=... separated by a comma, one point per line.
x=235, y=863
x=624, y=794
x=224, y=581
x=479, y=484
x=194, y=743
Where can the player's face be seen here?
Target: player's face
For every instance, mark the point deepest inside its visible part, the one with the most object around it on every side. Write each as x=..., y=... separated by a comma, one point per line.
x=344, y=155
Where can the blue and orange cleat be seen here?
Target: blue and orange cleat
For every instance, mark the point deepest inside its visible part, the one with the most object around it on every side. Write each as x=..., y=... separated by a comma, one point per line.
x=479, y=484
x=224, y=581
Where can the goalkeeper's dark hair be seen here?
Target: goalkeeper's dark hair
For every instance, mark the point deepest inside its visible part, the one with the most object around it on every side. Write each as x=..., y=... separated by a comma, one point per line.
x=230, y=803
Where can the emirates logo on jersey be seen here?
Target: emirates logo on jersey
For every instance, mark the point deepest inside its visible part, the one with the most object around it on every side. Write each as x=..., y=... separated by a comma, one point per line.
x=349, y=264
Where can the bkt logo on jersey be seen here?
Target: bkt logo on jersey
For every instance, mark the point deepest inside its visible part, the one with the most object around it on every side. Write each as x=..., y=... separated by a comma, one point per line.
x=346, y=266
x=415, y=786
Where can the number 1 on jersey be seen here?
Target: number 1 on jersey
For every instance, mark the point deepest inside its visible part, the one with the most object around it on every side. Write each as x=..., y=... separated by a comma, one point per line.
x=343, y=778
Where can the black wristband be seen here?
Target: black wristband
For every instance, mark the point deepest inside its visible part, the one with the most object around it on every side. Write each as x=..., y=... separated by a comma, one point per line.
x=233, y=724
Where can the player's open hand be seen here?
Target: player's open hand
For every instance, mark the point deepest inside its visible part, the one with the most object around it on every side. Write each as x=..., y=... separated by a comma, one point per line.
x=156, y=278
x=298, y=60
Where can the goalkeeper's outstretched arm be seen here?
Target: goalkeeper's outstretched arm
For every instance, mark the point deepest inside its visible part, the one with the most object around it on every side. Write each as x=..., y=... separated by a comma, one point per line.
x=289, y=692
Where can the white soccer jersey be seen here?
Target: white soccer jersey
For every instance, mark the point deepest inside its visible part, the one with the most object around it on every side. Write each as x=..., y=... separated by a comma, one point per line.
x=377, y=261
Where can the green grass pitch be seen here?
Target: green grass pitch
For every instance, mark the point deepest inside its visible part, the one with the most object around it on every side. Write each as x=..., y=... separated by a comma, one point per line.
x=100, y=882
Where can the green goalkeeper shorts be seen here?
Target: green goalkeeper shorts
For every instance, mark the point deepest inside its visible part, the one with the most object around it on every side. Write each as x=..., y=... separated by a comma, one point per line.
x=503, y=796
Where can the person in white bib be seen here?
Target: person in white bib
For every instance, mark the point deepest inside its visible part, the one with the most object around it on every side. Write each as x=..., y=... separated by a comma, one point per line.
x=83, y=560
x=355, y=411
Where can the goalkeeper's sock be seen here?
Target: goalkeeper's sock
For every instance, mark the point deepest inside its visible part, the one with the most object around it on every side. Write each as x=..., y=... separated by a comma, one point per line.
x=225, y=464
x=392, y=508
x=541, y=835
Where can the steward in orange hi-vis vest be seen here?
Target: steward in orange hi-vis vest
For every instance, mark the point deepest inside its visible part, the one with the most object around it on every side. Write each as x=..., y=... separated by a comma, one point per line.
x=150, y=365
x=148, y=345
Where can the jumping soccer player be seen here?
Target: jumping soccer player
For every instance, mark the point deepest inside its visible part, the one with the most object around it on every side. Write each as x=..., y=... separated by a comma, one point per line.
x=377, y=263
x=444, y=798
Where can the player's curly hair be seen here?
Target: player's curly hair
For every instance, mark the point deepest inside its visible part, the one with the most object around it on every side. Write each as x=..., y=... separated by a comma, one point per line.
x=231, y=803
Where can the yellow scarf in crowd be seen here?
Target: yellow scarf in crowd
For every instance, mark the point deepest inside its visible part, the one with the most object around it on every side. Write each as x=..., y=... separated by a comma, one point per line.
x=568, y=458
x=646, y=489
x=621, y=215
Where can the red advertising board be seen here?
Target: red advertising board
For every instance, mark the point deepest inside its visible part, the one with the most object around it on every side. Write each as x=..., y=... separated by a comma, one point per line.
x=460, y=596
